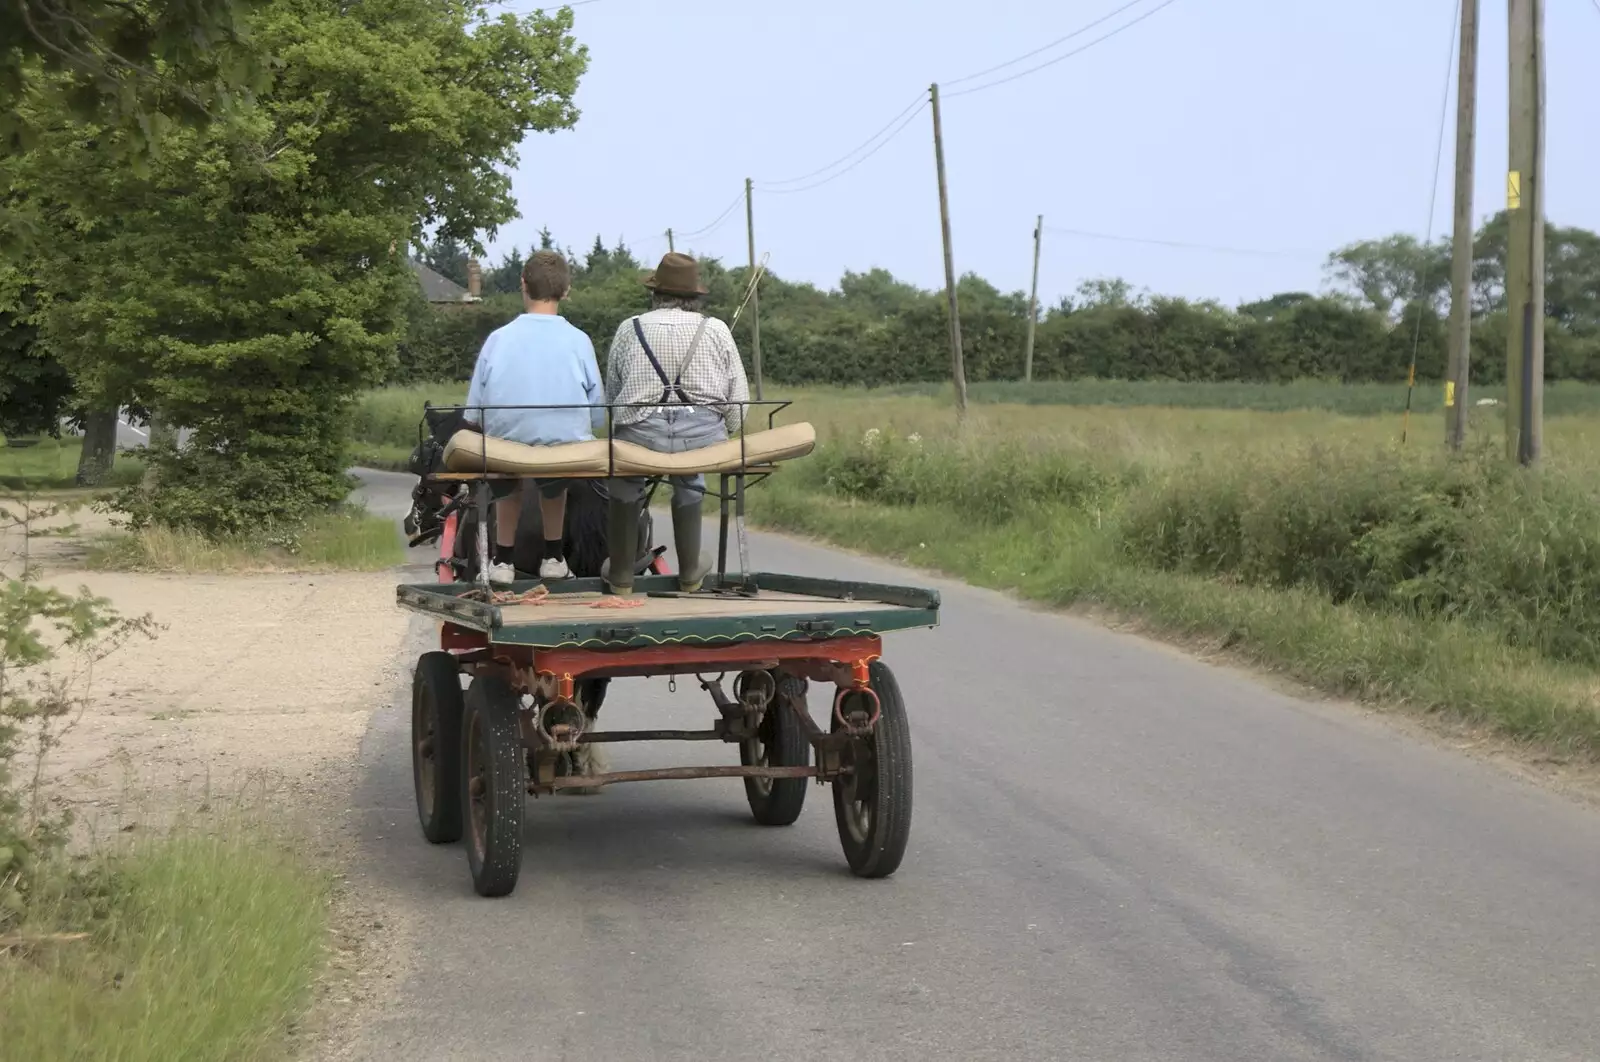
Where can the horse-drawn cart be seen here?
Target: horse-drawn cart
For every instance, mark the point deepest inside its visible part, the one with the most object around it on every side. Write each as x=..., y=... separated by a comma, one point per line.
x=536, y=658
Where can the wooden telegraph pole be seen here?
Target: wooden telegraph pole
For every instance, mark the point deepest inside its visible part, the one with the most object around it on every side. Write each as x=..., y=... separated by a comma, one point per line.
x=1456, y=407
x=755, y=293
x=958, y=372
x=670, y=247
x=1033, y=303
x=1525, y=253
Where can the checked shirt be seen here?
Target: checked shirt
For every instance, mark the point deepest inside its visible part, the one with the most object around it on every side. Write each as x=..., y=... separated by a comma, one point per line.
x=715, y=374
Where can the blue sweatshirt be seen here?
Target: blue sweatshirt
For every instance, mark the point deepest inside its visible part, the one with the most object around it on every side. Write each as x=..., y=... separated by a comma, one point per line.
x=537, y=359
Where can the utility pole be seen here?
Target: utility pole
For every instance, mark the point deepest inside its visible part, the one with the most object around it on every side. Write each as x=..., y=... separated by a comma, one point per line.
x=755, y=292
x=1033, y=303
x=670, y=247
x=1456, y=406
x=1525, y=252
x=958, y=372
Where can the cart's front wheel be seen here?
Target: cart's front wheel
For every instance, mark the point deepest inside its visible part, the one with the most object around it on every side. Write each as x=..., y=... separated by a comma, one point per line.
x=780, y=741
x=494, y=785
x=436, y=745
x=872, y=803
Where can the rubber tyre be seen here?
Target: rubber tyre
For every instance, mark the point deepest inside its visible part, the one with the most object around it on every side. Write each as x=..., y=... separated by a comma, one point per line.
x=492, y=754
x=776, y=801
x=874, y=847
x=436, y=706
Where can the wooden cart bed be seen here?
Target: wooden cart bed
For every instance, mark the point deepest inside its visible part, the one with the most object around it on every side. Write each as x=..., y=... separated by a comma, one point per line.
x=764, y=607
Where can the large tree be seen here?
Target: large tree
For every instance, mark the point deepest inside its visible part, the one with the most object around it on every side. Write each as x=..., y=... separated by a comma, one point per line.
x=251, y=280
x=1391, y=273
x=1572, y=272
x=34, y=387
x=139, y=64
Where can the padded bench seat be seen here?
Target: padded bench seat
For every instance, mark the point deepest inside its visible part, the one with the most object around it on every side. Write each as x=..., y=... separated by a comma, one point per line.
x=469, y=451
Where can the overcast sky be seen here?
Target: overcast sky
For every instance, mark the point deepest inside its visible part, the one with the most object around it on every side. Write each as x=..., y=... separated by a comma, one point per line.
x=1288, y=126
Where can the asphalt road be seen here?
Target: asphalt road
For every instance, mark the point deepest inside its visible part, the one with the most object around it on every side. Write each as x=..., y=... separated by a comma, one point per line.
x=1118, y=853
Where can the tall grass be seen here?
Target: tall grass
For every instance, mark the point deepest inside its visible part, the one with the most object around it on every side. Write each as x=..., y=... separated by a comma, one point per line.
x=384, y=425
x=52, y=464
x=349, y=539
x=1364, y=399
x=1334, y=554
x=391, y=416
x=199, y=946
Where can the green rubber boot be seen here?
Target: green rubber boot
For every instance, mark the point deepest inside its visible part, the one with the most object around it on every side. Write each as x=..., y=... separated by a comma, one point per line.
x=687, y=529
x=622, y=543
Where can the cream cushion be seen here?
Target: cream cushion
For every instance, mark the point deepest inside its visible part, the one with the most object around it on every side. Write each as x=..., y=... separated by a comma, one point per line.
x=469, y=451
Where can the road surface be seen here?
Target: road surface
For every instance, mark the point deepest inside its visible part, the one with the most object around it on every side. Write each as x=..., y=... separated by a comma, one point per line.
x=1118, y=853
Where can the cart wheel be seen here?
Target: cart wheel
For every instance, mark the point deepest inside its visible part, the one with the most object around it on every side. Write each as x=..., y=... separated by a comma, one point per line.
x=780, y=742
x=494, y=785
x=873, y=803
x=436, y=745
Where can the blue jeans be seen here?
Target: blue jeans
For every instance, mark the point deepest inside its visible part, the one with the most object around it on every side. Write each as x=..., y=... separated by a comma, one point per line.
x=672, y=431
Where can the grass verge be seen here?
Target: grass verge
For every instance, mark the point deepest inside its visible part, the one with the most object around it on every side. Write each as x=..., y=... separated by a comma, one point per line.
x=1061, y=556
x=198, y=947
x=52, y=464
x=349, y=540
x=1363, y=399
x=384, y=457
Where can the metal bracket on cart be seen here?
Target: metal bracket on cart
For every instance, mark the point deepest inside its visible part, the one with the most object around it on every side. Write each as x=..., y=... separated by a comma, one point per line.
x=773, y=676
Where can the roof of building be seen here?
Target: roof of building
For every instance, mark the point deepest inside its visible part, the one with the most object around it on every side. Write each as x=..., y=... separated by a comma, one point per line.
x=435, y=286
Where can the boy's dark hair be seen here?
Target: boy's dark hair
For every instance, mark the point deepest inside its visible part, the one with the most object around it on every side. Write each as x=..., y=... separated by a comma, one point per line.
x=546, y=276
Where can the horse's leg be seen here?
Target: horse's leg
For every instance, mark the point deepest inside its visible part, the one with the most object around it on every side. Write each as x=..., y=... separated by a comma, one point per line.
x=588, y=759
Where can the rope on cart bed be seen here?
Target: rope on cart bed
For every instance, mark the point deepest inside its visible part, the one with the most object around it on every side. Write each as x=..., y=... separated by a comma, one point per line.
x=541, y=593
x=509, y=597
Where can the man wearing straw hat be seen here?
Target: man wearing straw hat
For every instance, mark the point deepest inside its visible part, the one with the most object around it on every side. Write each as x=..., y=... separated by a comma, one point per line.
x=675, y=376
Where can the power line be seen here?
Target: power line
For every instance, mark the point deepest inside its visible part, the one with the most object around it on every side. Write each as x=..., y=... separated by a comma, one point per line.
x=716, y=223
x=920, y=99
x=1290, y=253
x=1065, y=55
x=818, y=184
x=1059, y=40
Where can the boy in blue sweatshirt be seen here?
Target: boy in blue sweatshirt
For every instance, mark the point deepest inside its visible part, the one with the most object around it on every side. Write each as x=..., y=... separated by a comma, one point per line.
x=537, y=359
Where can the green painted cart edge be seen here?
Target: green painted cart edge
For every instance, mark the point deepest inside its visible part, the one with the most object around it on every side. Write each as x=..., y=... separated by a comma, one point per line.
x=914, y=607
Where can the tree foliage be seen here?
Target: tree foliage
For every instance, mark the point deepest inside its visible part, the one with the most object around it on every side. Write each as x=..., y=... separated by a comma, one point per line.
x=251, y=280
x=34, y=387
x=1393, y=272
x=875, y=330
x=135, y=65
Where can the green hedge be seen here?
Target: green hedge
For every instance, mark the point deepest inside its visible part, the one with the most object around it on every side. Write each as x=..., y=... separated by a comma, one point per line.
x=850, y=338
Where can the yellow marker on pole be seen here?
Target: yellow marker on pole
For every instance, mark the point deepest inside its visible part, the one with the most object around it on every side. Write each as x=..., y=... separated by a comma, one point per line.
x=1449, y=394
x=1514, y=190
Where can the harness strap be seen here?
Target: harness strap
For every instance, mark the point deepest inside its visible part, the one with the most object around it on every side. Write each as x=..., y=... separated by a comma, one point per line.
x=675, y=385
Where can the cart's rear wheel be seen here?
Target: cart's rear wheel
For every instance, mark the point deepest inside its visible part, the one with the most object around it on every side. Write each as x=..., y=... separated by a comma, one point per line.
x=780, y=741
x=872, y=804
x=436, y=745
x=494, y=785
